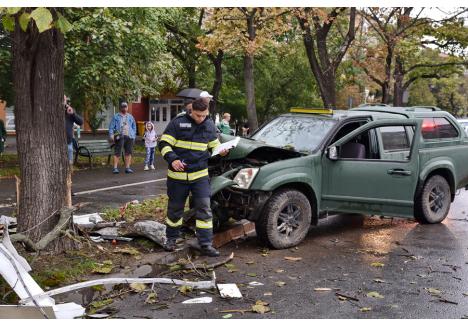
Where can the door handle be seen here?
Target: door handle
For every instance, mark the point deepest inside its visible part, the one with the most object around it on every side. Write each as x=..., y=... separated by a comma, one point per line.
x=399, y=172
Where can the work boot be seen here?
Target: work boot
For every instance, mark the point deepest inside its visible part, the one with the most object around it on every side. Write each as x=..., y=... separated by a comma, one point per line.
x=209, y=251
x=170, y=245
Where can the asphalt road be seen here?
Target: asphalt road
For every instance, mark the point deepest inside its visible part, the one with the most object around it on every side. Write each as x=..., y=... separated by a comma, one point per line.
x=424, y=272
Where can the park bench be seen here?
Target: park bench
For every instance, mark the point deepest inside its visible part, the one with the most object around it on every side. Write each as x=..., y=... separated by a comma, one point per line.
x=92, y=148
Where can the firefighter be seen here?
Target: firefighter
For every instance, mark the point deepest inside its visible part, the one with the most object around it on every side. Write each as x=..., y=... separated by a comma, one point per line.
x=185, y=145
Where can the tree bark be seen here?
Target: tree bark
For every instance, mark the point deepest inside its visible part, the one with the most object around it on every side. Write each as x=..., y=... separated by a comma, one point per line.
x=38, y=60
x=322, y=64
x=250, y=91
x=388, y=75
x=218, y=82
x=249, y=75
x=398, y=88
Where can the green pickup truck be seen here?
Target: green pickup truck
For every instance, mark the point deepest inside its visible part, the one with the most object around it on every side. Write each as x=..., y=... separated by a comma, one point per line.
x=405, y=162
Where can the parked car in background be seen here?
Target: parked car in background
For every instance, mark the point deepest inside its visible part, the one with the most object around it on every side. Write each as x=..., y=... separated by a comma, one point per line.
x=464, y=124
x=405, y=162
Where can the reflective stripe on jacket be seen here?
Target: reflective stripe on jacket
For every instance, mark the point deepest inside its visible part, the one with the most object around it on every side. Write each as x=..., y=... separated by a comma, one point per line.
x=191, y=143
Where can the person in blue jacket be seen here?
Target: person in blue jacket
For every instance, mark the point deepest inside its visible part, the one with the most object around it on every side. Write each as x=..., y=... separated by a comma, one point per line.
x=122, y=132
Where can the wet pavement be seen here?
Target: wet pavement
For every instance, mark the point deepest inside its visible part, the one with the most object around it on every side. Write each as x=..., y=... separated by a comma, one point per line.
x=424, y=273
x=423, y=270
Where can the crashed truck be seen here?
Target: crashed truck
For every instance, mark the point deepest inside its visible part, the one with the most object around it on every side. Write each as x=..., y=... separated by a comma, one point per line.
x=301, y=166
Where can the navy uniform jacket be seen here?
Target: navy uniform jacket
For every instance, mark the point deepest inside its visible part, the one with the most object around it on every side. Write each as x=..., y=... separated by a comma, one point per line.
x=191, y=143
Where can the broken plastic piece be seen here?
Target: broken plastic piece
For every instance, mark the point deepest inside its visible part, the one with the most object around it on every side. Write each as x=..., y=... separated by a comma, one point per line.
x=229, y=291
x=199, y=300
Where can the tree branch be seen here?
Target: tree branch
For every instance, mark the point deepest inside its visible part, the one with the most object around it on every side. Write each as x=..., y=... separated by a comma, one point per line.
x=434, y=65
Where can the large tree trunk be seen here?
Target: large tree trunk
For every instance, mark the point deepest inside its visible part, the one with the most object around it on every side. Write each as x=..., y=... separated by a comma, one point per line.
x=398, y=88
x=250, y=91
x=192, y=76
x=38, y=60
x=387, y=78
x=218, y=82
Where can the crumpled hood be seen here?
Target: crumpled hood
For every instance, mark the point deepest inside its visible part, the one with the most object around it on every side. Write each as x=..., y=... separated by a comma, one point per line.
x=247, y=146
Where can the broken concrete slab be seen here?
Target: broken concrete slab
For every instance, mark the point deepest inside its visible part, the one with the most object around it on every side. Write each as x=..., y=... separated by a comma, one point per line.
x=152, y=230
x=229, y=291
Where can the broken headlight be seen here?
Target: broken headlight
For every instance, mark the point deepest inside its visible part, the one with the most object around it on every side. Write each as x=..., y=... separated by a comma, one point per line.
x=245, y=177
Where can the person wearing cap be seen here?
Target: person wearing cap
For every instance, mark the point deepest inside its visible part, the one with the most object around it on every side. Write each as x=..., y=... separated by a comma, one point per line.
x=206, y=97
x=223, y=126
x=122, y=132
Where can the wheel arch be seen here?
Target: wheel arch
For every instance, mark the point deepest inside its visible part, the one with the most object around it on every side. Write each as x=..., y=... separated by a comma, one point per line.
x=444, y=172
x=308, y=192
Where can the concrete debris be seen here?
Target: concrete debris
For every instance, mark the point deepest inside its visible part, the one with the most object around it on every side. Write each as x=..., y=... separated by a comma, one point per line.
x=199, y=300
x=229, y=291
x=152, y=230
x=87, y=219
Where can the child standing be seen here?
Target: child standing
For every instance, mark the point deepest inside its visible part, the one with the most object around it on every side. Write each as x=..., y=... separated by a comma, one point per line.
x=150, y=144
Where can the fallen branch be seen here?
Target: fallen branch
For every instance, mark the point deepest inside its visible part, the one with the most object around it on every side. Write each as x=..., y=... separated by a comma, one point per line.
x=447, y=301
x=346, y=296
x=65, y=216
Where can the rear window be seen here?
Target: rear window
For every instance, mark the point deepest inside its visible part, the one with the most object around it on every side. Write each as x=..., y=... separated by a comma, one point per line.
x=394, y=138
x=438, y=128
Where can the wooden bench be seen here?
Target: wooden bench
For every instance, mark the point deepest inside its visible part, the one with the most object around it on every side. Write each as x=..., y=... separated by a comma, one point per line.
x=92, y=148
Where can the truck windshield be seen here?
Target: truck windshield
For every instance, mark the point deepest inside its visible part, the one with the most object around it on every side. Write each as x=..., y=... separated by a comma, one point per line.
x=302, y=134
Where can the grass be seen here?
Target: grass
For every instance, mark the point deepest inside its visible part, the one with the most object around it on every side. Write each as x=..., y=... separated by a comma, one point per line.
x=154, y=209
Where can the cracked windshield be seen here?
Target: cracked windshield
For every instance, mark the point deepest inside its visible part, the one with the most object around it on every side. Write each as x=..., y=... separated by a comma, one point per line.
x=302, y=134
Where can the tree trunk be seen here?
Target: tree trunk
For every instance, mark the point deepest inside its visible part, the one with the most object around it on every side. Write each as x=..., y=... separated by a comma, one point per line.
x=398, y=88
x=218, y=82
x=250, y=91
x=38, y=60
x=192, y=76
x=388, y=76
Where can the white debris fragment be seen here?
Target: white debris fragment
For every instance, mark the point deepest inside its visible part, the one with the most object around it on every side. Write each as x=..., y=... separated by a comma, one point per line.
x=199, y=300
x=255, y=283
x=229, y=291
x=87, y=219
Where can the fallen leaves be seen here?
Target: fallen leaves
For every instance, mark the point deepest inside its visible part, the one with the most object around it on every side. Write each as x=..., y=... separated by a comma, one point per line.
x=279, y=271
x=365, y=309
x=184, y=289
x=231, y=268
x=433, y=292
x=322, y=289
x=261, y=307
x=99, y=304
x=227, y=316
x=374, y=294
x=377, y=264
x=293, y=258
x=252, y=274
x=104, y=268
x=151, y=298
x=128, y=251
x=267, y=294
x=138, y=287
x=280, y=284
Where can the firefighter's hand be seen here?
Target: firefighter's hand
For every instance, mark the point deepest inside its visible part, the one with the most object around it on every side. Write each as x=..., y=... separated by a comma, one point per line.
x=178, y=165
x=224, y=152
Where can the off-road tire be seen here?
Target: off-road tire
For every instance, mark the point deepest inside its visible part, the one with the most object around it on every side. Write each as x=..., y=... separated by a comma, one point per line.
x=267, y=224
x=430, y=207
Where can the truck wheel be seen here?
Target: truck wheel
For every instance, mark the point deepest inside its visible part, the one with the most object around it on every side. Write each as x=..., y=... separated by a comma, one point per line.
x=433, y=204
x=285, y=219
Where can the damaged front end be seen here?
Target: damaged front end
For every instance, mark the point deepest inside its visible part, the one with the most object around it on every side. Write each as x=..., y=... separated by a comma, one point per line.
x=232, y=176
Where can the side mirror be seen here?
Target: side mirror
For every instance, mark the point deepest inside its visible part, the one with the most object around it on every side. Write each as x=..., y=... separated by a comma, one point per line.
x=332, y=153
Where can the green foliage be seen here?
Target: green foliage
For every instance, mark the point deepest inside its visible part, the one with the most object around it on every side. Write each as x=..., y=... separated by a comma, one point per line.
x=114, y=53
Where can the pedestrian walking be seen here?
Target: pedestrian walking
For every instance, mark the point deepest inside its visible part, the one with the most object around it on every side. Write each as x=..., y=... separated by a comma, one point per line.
x=71, y=118
x=185, y=145
x=223, y=126
x=122, y=132
x=3, y=136
x=150, y=137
